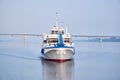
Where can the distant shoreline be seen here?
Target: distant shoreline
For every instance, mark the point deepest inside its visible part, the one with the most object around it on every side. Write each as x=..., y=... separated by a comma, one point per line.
x=112, y=39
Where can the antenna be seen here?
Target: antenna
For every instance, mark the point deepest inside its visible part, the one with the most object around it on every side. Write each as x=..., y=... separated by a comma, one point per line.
x=66, y=29
x=56, y=20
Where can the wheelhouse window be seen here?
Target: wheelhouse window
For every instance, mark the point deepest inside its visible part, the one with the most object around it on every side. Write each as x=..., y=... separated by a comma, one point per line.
x=54, y=32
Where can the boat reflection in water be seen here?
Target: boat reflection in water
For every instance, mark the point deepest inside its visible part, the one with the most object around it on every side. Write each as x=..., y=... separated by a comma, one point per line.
x=58, y=71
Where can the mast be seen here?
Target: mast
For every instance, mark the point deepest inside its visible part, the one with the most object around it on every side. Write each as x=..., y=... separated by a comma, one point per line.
x=56, y=20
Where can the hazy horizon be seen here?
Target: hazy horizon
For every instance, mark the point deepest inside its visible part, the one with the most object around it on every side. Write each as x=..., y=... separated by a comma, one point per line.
x=84, y=17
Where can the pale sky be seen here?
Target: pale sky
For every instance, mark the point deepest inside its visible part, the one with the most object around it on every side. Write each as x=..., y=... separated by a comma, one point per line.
x=84, y=17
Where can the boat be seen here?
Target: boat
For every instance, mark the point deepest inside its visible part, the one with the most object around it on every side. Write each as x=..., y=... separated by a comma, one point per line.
x=57, y=45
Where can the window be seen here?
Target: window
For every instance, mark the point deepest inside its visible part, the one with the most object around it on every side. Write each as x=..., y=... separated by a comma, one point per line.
x=56, y=32
x=53, y=40
x=45, y=41
x=67, y=40
x=62, y=32
x=52, y=32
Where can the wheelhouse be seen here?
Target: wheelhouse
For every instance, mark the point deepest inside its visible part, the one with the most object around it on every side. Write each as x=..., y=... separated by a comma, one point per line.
x=56, y=30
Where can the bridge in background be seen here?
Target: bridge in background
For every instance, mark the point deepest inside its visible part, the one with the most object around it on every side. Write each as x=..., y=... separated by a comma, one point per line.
x=20, y=35
x=71, y=35
x=25, y=36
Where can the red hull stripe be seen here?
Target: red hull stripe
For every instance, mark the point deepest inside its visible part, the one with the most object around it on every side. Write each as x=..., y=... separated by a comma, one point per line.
x=58, y=60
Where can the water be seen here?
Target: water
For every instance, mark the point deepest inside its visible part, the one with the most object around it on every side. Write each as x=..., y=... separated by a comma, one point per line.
x=92, y=61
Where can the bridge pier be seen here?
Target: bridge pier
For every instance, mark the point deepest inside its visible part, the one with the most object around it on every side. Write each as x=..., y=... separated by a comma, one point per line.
x=100, y=39
x=25, y=39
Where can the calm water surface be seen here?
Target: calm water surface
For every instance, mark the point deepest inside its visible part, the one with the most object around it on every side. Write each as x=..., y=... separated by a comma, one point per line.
x=92, y=61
